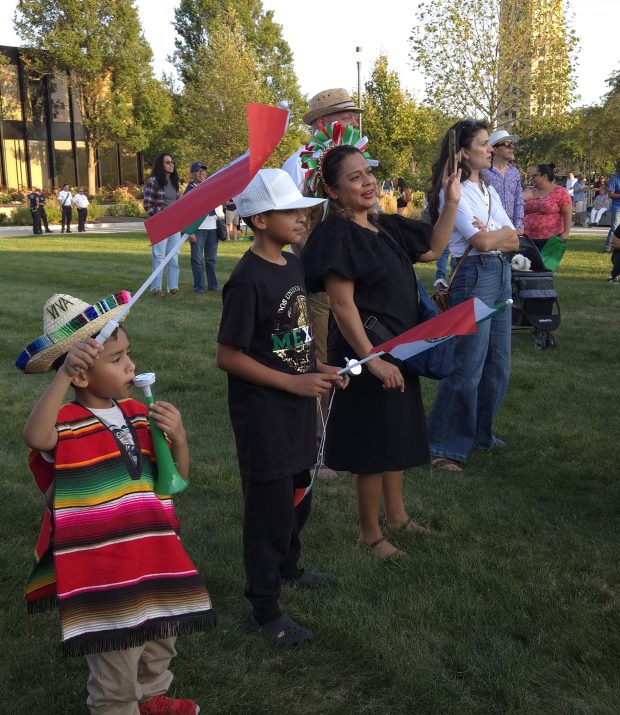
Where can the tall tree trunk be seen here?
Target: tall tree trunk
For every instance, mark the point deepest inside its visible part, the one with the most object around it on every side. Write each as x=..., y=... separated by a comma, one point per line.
x=91, y=165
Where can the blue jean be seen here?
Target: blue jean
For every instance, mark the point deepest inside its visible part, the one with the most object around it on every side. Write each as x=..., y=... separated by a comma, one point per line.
x=614, y=218
x=159, y=251
x=466, y=402
x=204, y=253
x=442, y=265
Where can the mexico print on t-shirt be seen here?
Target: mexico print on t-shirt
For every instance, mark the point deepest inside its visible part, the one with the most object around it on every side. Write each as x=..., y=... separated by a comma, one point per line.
x=292, y=335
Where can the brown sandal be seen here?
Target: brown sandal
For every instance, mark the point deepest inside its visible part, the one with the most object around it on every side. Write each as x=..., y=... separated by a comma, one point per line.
x=372, y=547
x=448, y=465
x=411, y=526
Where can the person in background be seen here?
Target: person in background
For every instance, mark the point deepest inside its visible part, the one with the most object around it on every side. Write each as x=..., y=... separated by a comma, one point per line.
x=42, y=213
x=580, y=196
x=81, y=202
x=505, y=178
x=613, y=192
x=468, y=399
x=33, y=205
x=203, y=244
x=326, y=107
x=232, y=220
x=615, y=258
x=570, y=183
x=161, y=190
x=65, y=200
x=601, y=204
x=548, y=208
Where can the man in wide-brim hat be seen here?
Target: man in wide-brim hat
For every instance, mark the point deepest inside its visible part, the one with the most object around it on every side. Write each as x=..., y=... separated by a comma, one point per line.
x=329, y=105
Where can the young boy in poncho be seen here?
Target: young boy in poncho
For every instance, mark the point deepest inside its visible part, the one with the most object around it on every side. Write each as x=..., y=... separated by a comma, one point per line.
x=109, y=553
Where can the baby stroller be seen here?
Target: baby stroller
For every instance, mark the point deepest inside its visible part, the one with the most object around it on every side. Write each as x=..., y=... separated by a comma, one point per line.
x=535, y=298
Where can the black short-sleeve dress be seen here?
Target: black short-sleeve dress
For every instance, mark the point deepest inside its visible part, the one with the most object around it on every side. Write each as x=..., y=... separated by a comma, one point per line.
x=371, y=429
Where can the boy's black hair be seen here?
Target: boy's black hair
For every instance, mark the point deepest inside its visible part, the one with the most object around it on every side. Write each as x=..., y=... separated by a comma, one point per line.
x=57, y=364
x=248, y=219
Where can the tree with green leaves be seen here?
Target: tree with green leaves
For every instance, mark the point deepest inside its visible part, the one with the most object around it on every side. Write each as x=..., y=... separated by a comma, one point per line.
x=501, y=60
x=99, y=47
x=402, y=135
x=199, y=21
x=225, y=77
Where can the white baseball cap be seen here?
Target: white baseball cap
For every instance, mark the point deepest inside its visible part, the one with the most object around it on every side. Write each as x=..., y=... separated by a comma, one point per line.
x=501, y=135
x=271, y=190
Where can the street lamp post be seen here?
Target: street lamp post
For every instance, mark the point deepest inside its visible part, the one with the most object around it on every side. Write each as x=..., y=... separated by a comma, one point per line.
x=358, y=51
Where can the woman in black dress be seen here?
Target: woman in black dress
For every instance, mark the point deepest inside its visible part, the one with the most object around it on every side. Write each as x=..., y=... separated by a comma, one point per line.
x=377, y=428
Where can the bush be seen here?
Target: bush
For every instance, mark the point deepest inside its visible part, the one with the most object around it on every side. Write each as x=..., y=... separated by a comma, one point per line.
x=17, y=196
x=5, y=198
x=126, y=208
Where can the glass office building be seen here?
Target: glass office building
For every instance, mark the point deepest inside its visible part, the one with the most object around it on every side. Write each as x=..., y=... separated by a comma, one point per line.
x=42, y=140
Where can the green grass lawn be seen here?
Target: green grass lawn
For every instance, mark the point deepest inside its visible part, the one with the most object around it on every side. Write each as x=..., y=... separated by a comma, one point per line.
x=513, y=607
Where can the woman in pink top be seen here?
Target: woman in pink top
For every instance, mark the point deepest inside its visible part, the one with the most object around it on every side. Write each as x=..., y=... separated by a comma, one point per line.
x=548, y=208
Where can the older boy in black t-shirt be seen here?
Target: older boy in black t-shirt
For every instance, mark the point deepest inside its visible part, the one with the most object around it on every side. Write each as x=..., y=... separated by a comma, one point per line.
x=266, y=346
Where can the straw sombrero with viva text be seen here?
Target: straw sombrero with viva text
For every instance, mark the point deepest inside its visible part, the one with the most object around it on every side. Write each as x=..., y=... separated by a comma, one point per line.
x=66, y=320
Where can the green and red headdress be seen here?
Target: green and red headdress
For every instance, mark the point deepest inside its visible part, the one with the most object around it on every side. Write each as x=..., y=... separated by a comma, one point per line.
x=324, y=139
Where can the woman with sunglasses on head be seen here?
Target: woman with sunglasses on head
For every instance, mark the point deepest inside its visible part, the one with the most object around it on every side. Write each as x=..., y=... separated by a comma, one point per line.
x=161, y=190
x=364, y=263
x=467, y=401
x=548, y=208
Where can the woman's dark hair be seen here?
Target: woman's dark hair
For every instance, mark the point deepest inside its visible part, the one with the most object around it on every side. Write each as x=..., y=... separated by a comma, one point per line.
x=546, y=170
x=465, y=130
x=158, y=171
x=330, y=171
x=400, y=184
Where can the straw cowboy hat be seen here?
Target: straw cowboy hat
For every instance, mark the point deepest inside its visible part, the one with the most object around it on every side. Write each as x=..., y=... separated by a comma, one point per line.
x=327, y=102
x=66, y=320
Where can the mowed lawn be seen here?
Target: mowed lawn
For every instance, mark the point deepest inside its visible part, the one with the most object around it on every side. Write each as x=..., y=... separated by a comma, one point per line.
x=512, y=607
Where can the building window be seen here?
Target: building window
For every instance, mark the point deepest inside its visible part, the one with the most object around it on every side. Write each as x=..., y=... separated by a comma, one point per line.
x=82, y=162
x=60, y=98
x=129, y=166
x=11, y=107
x=15, y=159
x=108, y=166
x=65, y=173
x=39, y=164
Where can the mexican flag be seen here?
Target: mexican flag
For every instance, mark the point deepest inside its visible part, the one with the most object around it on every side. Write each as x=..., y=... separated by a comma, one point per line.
x=266, y=126
x=462, y=319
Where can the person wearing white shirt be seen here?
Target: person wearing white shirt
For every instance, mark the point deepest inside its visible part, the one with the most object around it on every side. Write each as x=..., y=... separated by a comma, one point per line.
x=65, y=199
x=466, y=402
x=80, y=201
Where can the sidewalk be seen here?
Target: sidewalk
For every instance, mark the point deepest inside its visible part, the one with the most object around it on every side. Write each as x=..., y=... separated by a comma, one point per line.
x=116, y=227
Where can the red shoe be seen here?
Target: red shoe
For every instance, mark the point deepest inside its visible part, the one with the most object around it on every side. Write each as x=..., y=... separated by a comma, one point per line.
x=163, y=705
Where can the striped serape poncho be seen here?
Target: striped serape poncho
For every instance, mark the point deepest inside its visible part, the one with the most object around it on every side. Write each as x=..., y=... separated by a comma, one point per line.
x=109, y=552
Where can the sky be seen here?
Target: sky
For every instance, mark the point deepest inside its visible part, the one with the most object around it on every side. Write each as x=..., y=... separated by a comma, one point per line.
x=324, y=38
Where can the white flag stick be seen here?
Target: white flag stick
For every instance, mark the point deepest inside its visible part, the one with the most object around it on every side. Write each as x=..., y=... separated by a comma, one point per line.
x=113, y=324
x=352, y=364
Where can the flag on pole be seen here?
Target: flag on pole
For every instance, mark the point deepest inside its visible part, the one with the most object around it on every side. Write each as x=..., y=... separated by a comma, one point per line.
x=266, y=126
x=459, y=320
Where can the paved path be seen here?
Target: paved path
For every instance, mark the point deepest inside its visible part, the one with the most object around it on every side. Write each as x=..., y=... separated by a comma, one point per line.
x=117, y=227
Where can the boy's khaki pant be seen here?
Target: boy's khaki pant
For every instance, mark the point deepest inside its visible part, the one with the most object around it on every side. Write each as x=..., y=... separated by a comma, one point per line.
x=121, y=679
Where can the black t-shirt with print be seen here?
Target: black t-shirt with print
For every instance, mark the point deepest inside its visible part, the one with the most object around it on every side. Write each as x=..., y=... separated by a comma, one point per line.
x=266, y=314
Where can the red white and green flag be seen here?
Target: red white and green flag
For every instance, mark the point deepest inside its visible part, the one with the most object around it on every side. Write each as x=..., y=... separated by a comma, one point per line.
x=266, y=126
x=462, y=319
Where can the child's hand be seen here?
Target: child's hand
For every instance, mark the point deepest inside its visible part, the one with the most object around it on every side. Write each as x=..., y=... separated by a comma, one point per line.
x=312, y=384
x=81, y=357
x=168, y=419
x=338, y=381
